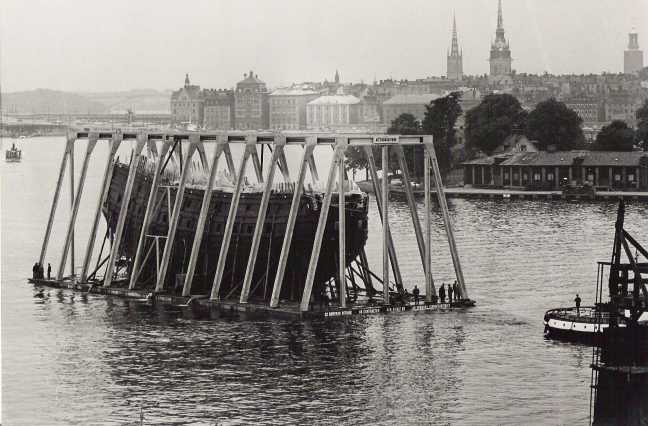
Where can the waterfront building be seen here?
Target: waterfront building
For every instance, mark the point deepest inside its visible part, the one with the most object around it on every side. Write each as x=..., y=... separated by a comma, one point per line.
x=633, y=56
x=288, y=107
x=406, y=104
x=454, y=69
x=544, y=170
x=218, y=112
x=500, y=53
x=187, y=104
x=333, y=111
x=251, y=110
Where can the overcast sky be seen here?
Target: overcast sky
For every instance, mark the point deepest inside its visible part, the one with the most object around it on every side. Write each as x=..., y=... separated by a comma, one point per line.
x=104, y=45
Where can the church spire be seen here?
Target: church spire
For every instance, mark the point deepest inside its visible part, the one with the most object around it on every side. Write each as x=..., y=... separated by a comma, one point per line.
x=500, y=20
x=454, y=47
x=187, y=80
x=337, y=77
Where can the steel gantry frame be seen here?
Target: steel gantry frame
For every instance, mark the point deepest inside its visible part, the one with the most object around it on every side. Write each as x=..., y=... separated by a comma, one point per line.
x=277, y=141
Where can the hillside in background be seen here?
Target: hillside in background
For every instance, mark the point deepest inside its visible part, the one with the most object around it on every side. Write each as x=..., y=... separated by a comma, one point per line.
x=44, y=101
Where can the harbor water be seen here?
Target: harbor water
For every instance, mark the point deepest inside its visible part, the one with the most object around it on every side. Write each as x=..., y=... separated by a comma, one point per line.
x=87, y=359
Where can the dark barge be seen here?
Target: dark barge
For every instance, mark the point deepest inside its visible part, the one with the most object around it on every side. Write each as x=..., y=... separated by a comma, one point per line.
x=235, y=269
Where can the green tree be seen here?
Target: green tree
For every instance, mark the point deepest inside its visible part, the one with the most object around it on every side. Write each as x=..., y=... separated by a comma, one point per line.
x=616, y=136
x=439, y=121
x=490, y=122
x=641, y=136
x=552, y=123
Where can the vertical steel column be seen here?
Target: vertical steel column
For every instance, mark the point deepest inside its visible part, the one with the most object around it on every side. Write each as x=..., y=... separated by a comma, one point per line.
x=71, y=210
x=342, y=223
x=319, y=234
x=429, y=148
x=149, y=212
x=292, y=218
x=202, y=218
x=429, y=283
x=69, y=236
x=261, y=215
x=231, y=218
x=103, y=195
x=385, y=221
x=377, y=192
x=123, y=210
x=69, y=147
x=412, y=207
x=177, y=208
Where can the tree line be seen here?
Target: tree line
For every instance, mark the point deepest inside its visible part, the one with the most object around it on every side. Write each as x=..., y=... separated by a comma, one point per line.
x=551, y=123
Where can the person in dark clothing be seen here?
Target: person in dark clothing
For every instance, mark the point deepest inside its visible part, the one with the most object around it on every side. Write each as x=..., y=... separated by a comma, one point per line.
x=578, y=303
x=449, y=293
x=41, y=271
x=442, y=293
x=35, y=270
x=455, y=290
x=416, y=293
x=49, y=271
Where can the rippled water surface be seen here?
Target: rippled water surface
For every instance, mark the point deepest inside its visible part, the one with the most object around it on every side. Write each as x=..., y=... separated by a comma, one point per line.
x=72, y=359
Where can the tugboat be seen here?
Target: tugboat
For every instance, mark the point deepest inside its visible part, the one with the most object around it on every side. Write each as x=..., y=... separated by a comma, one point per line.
x=588, y=323
x=13, y=155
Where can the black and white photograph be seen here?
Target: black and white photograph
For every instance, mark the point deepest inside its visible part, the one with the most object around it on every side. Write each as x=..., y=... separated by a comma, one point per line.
x=303, y=212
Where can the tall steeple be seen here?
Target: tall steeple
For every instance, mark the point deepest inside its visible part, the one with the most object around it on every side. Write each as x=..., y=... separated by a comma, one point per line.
x=500, y=54
x=499, y=32
x=454, y=48
x=187, y=80
x=337, y=77
x=455, y=60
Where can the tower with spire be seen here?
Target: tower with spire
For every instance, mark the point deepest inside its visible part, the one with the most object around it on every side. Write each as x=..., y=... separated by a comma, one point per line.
x=454, y=69
x=633, y=56
x=500, y=53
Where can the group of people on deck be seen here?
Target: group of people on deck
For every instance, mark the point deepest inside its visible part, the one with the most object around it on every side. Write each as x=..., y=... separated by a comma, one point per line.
x=453, y=291
x=39, y=273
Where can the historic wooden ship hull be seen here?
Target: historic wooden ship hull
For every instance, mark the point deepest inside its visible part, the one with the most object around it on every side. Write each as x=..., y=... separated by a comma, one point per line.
x=270, y=247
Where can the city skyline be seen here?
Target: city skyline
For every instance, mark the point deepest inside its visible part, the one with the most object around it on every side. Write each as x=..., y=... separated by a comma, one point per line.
x=158, y=45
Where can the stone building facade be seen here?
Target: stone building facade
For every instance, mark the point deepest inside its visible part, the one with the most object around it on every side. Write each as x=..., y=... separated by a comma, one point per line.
x=187, y=104
x=288, y=108
x=251, y=109
x=406, y=104
x=218, y=109
x=333, y=112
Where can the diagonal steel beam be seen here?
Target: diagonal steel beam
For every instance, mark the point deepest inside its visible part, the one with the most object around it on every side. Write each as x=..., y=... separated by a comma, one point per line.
x=103, y=195
x=447, y=222
x=261, y=215
x=150, y=211
x=92, y=142
x=202, y=218
x=68, y=151
x=290, y=225
x=177, y=209
x=123, y=211
x=231, y=219
x=319, y=234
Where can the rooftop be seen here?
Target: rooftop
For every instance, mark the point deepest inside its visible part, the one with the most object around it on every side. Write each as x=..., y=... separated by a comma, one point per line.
x=412, y=99
x=335, y=100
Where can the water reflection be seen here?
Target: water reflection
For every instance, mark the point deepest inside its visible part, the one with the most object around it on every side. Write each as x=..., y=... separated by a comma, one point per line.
x=88, y=359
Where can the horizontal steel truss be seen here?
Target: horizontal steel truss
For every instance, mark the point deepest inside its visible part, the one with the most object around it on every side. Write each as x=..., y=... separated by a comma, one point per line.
x=277, y=141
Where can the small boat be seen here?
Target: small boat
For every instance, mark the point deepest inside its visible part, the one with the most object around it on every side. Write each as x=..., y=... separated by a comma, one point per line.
x=13, y=155
x=627, y=298
x=586, y=323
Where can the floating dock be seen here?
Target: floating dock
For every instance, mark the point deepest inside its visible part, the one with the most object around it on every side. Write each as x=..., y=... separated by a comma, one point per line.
x=349, y=290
